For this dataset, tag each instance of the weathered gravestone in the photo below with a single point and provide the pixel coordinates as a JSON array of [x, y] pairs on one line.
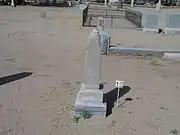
[[100, 25], [104, 36], [100, 21], [158, 6], [105, 42], [151, 23], [172, 23], [93, 62], [90, 98]]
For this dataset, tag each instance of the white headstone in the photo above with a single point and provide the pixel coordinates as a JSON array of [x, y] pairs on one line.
[[93, 62], [158, 6], [90, 98], [100, 21]]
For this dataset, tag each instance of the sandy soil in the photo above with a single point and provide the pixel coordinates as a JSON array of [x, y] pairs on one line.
[[53, 50]]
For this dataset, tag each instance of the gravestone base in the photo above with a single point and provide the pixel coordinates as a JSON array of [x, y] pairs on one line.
[[150, 30], [90, 101], [85, 87], [171, 30]]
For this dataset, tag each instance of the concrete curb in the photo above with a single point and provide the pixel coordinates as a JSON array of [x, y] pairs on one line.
[[171, 31], [172, 56], [150, 30], [144, 52]]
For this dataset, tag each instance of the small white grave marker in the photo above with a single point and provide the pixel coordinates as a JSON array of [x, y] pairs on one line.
[[119, 85]]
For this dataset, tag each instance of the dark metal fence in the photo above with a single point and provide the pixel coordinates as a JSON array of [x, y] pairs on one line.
[[106, 13], [84, 15], [134, 17], [90, 15]]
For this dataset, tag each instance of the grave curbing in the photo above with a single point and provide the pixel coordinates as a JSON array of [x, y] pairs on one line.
[[142, 51]]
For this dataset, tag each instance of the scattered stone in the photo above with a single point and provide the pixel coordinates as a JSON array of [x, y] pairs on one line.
[[138, 98], [174, 131], [112, 124], [47, 65], [78, 82], [10, 60], [118, 43], [43, 15], [163, 108], [7, 131], [44, 75], [104, 82], [51, 34], [156, 62], [128, 99]]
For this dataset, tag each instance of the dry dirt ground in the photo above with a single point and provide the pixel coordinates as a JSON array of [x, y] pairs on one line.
[[52, 49]]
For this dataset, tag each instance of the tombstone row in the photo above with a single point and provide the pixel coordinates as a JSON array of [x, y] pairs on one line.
[[172, 23]]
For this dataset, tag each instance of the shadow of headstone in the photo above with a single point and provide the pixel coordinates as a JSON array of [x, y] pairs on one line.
[[14, 77], [111, 97]]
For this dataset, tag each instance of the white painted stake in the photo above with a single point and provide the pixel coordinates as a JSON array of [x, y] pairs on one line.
[[119, 85]]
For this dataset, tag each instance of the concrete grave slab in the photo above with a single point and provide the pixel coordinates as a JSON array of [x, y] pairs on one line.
[[172, 23], [151, 23]]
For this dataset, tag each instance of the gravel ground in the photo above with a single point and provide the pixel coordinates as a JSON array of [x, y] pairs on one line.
[[52, 49]]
